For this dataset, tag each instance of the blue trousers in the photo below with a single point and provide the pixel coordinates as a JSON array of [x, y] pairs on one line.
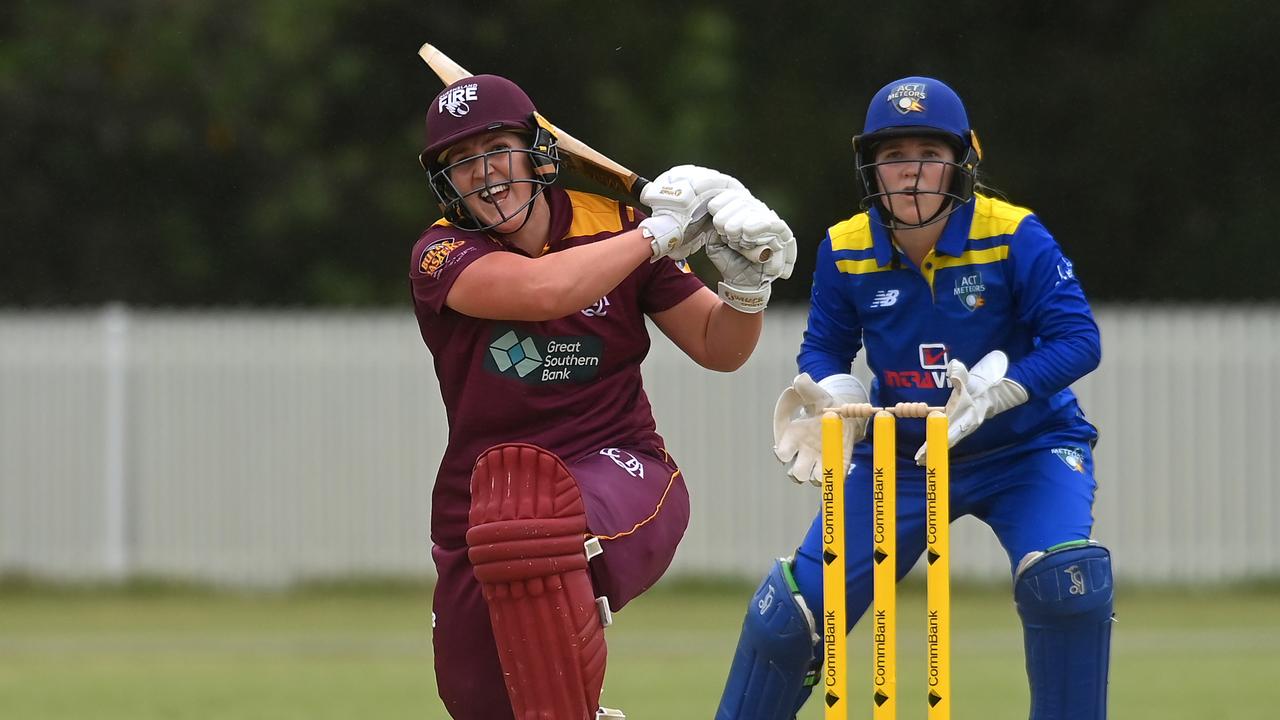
[[1032, 499]]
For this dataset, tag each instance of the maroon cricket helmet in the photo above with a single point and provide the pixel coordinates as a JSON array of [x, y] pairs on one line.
[[473, 105]]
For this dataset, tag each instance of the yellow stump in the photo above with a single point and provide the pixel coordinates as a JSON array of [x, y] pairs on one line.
[[884, 610], [938, 589], [834, 623]]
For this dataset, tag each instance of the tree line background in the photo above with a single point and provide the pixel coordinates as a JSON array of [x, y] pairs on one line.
[[168, 153]]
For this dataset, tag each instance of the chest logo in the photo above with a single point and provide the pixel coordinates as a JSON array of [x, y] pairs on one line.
[[933, 356], [969, 289], [599, 309], [884, 298], [932, 374], [518, 355], [537, 359]]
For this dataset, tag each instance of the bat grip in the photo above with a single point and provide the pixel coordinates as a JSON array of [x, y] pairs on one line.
[[638, 186]]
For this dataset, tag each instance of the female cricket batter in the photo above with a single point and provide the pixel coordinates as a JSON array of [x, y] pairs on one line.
[[962, 299], [532, 300]]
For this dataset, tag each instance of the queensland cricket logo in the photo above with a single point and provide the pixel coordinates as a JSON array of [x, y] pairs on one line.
[[907, 97], [969, 289], [455, 101]]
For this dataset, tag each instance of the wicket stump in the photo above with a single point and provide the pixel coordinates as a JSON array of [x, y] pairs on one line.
[[884, 555]]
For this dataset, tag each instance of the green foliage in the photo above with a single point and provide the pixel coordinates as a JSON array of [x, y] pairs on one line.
[[167, 153]]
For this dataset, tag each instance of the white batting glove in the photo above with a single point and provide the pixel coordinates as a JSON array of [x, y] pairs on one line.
[[707, 183], [746, 285], [977, 393], [747, 224], [797, 423], [744, 223], [681, 195]]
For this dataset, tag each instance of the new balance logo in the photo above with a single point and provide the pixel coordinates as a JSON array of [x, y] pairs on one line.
[[884, 298]]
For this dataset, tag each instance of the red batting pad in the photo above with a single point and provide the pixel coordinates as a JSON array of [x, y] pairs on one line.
[[525, 542]]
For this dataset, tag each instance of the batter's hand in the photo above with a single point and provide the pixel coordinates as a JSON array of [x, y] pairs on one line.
[[797, 423], [747, 225], [741, 223], [679, 224], [746, 285]]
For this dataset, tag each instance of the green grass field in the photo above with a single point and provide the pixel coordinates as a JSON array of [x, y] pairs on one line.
[[365, 652]]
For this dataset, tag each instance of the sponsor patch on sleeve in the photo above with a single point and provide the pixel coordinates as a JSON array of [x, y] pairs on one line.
[[434, 255]]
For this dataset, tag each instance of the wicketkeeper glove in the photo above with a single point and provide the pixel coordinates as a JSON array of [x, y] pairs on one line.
[[797, 423], [977, 393]]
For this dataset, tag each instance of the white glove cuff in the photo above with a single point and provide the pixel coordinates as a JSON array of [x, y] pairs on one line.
[[664, 234], [743, 300], [1006, 394], [844, 388]]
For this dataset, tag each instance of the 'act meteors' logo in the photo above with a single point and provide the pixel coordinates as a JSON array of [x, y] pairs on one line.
[[1073, 457], [907, 98], [969, 289]]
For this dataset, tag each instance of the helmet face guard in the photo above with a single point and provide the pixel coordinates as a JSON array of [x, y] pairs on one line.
[[473, 106], [958, 192], [916, 107], [543, 157]]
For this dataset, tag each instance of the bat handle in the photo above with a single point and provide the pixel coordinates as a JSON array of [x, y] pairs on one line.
[[759, 254]]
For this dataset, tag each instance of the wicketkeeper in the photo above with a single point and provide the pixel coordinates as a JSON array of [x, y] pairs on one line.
[[959, 298]]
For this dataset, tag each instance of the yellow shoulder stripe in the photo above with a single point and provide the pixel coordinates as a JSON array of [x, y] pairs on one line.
[[992, 217], [972, 257], [851, 234], [593, 214], [859, 267]]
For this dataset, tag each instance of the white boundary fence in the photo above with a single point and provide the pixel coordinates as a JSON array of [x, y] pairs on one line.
[[265, 447]]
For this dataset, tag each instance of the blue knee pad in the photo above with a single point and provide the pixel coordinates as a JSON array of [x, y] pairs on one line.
[[775, 654], [1065, 598]]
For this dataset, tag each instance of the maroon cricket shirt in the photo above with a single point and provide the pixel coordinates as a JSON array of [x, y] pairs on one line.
[[571, 385]]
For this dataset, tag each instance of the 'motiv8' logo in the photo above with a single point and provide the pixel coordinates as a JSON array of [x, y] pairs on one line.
[[534, 359]]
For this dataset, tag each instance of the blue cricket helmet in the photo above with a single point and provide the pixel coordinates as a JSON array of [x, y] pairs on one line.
[[913, 105], [916, 106]]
